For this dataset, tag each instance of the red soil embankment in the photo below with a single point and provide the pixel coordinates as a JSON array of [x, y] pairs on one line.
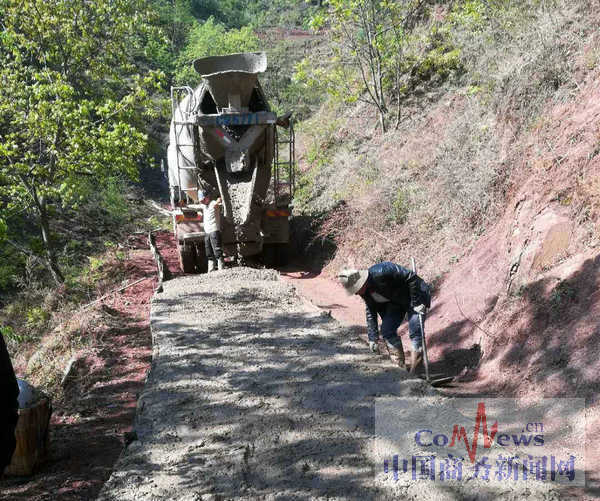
[[517, 316], [89, 425]]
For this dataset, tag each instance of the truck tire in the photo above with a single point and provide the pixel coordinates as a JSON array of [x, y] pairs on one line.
[[283, 255], [275, 255], [187, 258], [201, 261], [268, 255]]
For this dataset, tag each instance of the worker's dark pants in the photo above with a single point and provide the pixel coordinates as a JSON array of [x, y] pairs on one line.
[[391, 317], [212, 244], [9, 392], [8, 423]]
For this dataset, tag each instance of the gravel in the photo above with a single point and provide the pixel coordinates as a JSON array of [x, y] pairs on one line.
[[253, 395], [240, 191]]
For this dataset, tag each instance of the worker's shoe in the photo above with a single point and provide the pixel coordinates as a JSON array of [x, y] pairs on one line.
[[397, 355], [373, 346], [211, 265], [220, 263], [416, 358]]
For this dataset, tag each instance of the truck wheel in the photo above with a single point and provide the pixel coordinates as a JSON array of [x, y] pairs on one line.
[[275, 255], [283, 255], [201, 261], [187, 258], [269, 257]]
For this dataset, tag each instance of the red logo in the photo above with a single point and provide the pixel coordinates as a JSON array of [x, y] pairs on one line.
[[488, 438]]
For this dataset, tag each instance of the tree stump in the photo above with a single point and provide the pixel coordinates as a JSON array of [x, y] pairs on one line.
[[32, 434]]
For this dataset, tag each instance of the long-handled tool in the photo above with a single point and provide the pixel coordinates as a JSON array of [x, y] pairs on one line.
[[438, 381], [423, 342]]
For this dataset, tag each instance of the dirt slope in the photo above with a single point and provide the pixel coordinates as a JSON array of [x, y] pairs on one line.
[[517, 314], [532, 282]]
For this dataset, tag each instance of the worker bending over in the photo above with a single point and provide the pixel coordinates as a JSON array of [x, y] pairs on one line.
[[393, 292]]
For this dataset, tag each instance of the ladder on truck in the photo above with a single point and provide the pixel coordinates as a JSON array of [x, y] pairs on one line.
[[284, 162], [178, 95]]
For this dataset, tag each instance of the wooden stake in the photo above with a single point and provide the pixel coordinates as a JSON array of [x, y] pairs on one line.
[[163, 270]]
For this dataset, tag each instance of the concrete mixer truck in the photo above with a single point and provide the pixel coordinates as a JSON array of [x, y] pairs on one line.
[[225, 140]]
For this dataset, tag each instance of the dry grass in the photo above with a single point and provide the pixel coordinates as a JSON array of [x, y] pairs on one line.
[[76, 337], [434, 186], [48, 326]]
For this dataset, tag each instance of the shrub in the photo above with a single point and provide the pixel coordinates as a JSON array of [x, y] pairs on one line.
[[400, 207], [284, 91], [10, 336], [114, 202], [562, 296], [37, 318], [313, 182]]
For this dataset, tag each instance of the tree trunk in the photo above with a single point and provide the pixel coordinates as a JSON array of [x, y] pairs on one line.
[[382, 121], [163, 270], [51, 262], [398, 108]]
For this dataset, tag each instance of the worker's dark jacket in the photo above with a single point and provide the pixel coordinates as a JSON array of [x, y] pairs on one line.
[[9, 391], [401, 286]]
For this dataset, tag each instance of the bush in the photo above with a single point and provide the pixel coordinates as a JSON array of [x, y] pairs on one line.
[[284, 91], [231, 13], [10, 336], [284, 13], [561, 297], [114, 201], [11, 267], [316, 186], [400, 207], [37, 318]]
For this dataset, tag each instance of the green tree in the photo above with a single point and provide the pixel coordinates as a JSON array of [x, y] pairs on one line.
[[282, 13], [212, 39], [377, 52], [175, 19], [231, 13], [72, 104]]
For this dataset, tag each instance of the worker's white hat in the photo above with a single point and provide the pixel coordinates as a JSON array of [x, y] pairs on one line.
[[353, 280]]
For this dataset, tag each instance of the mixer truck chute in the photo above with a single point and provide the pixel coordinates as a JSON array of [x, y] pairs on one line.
[[224, 140]]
